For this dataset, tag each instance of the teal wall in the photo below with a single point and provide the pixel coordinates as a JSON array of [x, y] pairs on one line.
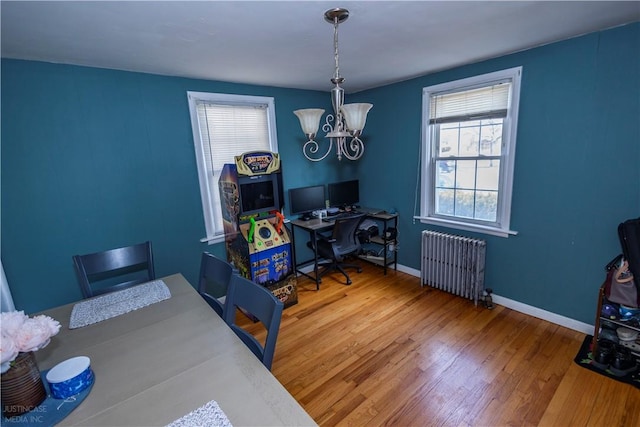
[[94, 159], [577, 170]]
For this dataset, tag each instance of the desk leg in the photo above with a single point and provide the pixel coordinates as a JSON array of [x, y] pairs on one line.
[[293, 249], [314, 237]]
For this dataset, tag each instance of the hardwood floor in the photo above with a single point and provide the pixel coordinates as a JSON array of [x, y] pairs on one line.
[[385, 351]]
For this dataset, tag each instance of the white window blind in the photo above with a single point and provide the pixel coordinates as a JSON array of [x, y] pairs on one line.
[[471, 104], [229, 130], [225, 126]]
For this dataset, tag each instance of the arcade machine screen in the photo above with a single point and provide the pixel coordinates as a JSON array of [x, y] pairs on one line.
[[259, 194]]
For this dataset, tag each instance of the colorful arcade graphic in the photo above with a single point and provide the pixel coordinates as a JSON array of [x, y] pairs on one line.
[[256, 240]]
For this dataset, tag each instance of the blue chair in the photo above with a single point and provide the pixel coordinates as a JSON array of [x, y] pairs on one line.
[[215, 275], [259, 302], [103, 272]]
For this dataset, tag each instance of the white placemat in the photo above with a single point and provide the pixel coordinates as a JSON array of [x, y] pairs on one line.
[[209, 415], [114, 304]]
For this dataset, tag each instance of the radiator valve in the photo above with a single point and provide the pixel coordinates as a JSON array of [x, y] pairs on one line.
[[488, 301]]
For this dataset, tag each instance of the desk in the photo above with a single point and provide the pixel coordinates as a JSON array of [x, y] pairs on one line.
[[157, 364], [314, 226]]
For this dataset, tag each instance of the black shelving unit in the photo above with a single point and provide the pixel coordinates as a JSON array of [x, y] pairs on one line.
[[384, 257]]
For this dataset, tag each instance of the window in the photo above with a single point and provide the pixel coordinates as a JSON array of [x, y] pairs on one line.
[[469, 140], [225, 126]]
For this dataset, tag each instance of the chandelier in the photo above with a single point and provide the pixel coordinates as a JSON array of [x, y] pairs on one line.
[[345, 125]]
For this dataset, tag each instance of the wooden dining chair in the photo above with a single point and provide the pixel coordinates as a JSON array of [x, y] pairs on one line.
[[260, 303], [213, 283], [103, 272]]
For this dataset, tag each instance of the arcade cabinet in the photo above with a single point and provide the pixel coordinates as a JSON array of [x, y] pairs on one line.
[[257, 242]]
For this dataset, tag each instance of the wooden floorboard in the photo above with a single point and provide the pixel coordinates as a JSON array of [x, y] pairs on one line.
[[385, 351]]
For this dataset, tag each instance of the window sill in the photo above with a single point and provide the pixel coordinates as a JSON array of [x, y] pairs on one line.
[[213, 240], [467, 226]]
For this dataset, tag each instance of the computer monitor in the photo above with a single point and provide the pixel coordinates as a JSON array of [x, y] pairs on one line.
[[345, 193], [304, 200]]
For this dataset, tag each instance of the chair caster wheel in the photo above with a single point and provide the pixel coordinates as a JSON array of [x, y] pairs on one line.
[[359, 270], [348, 282]]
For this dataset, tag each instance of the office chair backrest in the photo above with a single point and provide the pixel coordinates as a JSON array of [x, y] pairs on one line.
[[259, 302], [215, 275], [345, 234], [107, 266]]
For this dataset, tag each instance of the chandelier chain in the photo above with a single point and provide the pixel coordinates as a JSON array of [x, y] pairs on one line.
[[335, 47]]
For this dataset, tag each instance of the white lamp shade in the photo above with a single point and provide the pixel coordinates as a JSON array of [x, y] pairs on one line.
[[309, 119], [355, 115]]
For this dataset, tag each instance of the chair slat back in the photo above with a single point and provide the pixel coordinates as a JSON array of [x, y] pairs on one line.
[[113, 263], [213, 284], [260, 303]]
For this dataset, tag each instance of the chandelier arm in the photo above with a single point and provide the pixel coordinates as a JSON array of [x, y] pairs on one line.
[[327, 127], [354, 149], [311, 147]]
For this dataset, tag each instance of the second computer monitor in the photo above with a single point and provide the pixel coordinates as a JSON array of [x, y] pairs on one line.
[[345, 193]]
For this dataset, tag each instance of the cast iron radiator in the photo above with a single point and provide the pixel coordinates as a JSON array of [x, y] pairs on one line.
[[453, 264]]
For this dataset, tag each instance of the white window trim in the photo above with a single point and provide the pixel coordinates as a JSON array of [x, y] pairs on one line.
[[211, 212], [502, 229]]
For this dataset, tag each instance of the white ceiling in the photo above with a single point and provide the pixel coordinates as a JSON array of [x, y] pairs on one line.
[[288, 43]]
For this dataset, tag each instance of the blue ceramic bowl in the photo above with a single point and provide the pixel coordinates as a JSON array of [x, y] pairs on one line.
[[70, 377]]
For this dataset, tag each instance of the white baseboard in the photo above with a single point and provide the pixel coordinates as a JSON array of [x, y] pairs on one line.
[[409, 270], [527, 309], [567, 322], [530, 310]]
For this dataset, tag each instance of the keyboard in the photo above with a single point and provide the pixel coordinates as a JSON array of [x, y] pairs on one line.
[[371, 211], [340, 216]]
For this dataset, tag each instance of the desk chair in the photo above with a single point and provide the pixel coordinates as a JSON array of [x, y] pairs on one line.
[[130, 262], [215, 275], [259, 302], [342, 242]]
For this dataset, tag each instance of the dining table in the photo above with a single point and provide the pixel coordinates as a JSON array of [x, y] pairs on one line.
[[159, 363]]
